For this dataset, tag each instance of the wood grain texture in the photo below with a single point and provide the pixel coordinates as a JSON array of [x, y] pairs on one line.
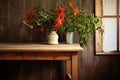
[[91, 67], [43, 52], [98, 37], [3, 20], [36, 47]]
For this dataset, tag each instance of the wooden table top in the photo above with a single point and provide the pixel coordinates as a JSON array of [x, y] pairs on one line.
[[39, 47]]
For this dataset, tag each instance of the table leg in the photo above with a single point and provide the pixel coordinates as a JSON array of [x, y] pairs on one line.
[[68, 67], [75, 67]]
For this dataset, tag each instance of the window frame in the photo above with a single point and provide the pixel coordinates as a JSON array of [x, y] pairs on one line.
[[99, 43]]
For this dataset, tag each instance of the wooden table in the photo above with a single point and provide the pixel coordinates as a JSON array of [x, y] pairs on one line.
[[34, 51]]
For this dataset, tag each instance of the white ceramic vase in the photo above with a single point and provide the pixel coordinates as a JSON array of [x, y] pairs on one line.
[[69, 37], [53, 37]]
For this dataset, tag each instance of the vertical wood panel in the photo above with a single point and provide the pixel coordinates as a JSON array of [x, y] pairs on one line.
[[91, 67], [22, 30], [87, 6], [43, 4], [12, 20], [3, 19]]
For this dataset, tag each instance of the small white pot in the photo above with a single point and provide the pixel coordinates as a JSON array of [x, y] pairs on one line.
[[53, 38]]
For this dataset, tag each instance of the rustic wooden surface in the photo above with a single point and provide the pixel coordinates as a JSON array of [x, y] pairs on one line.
[[43, 47], [61, 52], [91, 67]]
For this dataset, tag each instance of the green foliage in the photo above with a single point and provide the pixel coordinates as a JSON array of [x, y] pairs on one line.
[[68, 24], [42, 18], [85, 25]]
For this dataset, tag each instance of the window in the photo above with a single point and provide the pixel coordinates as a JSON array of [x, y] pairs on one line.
[[109, 10]]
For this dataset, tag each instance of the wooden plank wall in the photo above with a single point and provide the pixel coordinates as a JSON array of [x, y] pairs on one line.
[[91, 67]]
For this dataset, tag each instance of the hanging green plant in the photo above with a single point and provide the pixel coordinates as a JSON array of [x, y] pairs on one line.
[[86, 25]]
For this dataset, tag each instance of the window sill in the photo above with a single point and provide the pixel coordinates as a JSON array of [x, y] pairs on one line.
[[108, 53]]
